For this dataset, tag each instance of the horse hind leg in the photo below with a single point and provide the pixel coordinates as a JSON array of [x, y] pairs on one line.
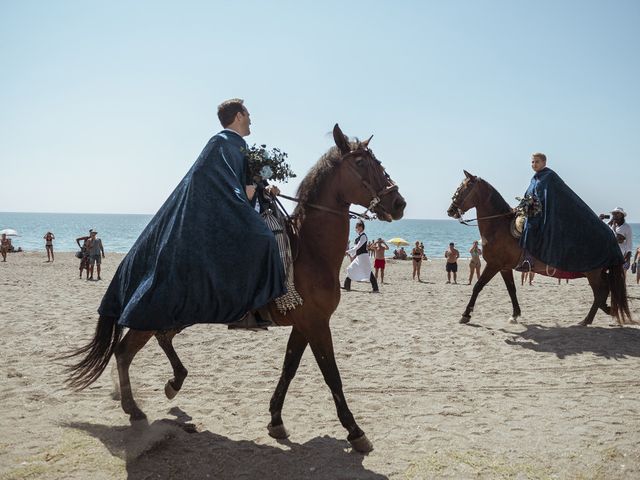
[[126, 350], [173, 386], [600, 293]]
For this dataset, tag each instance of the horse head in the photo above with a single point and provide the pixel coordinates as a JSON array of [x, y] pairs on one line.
[[365, 181], [463, 199]]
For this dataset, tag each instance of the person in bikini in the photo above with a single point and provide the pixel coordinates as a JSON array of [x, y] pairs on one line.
[[417, 254], [48, 245], [474, 263]]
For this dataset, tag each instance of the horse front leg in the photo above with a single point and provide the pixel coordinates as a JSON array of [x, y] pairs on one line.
[[487, 274], [295, 348], [322, 347], [130, 344], [507, 276], [173, 386]]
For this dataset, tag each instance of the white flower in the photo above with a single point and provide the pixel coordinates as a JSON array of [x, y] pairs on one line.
[[266, 172]]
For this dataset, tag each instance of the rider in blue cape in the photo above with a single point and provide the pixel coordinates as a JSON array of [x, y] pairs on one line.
[[561, 230], [179, 272]]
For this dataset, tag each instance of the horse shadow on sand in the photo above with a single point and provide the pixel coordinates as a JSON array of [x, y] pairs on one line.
[[614, 343], [175, 449]]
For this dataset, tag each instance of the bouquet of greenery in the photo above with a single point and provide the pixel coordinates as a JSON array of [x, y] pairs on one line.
[[267, 164], [529, 206]]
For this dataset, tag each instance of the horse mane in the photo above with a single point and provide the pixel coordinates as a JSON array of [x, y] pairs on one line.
[[313, 182], [496, 200]]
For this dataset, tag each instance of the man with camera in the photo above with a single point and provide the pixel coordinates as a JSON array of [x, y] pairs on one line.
[[623, 234]]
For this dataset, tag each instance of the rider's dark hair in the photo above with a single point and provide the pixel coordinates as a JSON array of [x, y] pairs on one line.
[[228, 110]]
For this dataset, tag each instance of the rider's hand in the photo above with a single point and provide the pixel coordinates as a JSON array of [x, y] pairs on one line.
[[250, 190], [272, 190]]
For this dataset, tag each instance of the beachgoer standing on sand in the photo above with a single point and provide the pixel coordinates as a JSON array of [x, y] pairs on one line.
[[4, 246], [636, 259], [474, 263], [379, 247], [95, 249], [416, 254], [48, 245], [452, 255], [360, 267], [84, 253]]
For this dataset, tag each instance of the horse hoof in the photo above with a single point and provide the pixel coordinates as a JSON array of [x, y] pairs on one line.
[[361, 444], [465, 319], [513, 320], [169, 391], [278, 431], [137, 416]]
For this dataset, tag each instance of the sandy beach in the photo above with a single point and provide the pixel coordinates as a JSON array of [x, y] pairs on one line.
[[540, 399]]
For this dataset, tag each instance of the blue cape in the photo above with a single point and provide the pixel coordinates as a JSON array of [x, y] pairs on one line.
[[567, 234], [206, 256]]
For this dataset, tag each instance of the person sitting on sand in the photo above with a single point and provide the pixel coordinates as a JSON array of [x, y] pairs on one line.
[[402, 254]]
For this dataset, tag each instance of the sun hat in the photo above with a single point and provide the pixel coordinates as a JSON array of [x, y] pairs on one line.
[[619, 210]]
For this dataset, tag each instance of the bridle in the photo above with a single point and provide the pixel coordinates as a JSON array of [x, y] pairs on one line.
[[376, 196], [456, 202]]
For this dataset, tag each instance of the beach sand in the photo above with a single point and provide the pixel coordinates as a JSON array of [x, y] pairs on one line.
[[540, 399]]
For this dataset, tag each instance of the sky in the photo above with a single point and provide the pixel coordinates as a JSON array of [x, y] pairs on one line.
[[104, 106]]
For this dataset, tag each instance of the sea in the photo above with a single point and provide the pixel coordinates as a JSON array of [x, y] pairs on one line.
[[119, 231]]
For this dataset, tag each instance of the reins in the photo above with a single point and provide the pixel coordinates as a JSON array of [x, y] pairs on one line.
[[375, 196], [363, 216], [456, 201], [466, 222]]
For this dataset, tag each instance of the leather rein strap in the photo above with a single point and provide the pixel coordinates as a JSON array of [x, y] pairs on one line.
[[375, 196]]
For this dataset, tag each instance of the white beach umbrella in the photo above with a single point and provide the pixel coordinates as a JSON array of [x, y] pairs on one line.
[[9, 232]]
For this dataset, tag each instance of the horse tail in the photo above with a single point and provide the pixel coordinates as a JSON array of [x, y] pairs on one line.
[[96, 354], [618, 289]]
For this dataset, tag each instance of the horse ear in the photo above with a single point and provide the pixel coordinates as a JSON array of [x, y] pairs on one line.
[[365, 144], [468, 175], [341, 141]]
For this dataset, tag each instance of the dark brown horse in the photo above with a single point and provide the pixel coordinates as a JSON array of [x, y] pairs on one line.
[[502, 252], [347, 174]]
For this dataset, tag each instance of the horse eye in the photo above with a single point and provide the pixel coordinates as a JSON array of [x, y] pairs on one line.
[[359, 161]]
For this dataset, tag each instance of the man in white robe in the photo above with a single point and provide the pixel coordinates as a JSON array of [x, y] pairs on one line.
[[360, 267]]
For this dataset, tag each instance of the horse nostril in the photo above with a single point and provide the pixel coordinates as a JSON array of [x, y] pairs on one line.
[[399, 204]]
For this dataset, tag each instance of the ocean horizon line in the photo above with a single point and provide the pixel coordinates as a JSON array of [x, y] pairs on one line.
[[146, 214]]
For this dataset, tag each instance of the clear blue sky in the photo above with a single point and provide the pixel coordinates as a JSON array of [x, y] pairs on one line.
[[104, 106]]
